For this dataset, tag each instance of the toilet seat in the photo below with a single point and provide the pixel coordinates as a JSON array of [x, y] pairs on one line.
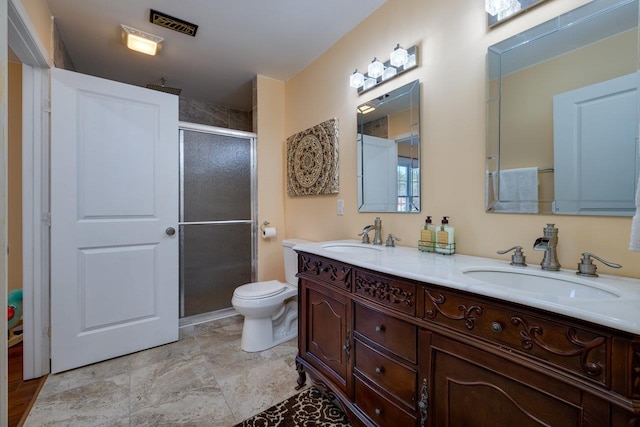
[[259, 290]]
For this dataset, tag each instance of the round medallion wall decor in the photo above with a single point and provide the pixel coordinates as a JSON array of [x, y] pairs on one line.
[[312, 160]]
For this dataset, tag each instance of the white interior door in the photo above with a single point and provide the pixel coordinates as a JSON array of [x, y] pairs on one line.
[[114, 194], [378, 164], [595, 148]]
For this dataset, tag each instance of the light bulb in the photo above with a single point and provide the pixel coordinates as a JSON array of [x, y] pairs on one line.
[[356, 80], [369, 83], [375, 69], [398, 57], [388, 73], [411, 61]]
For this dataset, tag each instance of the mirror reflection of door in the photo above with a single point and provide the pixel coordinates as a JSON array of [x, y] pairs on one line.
[[388, 151], [599, 122], [379, 159], [592, 44]]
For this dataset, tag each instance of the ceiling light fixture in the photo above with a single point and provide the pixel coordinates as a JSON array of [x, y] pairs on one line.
[[400, 60], [140, 41], [366, 109]]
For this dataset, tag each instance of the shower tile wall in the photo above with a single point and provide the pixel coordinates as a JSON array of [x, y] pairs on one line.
[[204, 113], [61, 58], [379, 128]]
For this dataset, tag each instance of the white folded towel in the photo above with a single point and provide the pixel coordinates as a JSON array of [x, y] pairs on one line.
[[518, 190], [635, 224]]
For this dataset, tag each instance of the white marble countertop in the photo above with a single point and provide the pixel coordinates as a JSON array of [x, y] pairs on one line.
[[619, 310]]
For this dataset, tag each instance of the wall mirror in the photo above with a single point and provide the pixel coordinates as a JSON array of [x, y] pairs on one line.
[[388, 151], [562, 118]]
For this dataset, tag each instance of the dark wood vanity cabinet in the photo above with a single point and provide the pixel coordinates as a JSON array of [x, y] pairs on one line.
[[397, 352], [326, 341], [470, 387]]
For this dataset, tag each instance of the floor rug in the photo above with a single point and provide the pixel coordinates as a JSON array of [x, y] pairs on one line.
[[309, 408]]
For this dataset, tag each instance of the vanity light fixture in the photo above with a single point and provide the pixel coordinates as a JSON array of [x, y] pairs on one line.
[[400, 60], [141, 41]]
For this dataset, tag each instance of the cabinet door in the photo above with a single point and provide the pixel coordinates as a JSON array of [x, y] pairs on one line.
[[326, 339], [472, 388]]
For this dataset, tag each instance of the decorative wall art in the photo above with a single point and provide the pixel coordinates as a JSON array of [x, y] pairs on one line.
[[501, 10], [312, 160]]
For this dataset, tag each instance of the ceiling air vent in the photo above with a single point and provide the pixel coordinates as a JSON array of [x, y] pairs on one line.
[[172, 23]]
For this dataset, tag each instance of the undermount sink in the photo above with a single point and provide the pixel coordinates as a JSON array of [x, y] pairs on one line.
[[352, 248], [541, 283]]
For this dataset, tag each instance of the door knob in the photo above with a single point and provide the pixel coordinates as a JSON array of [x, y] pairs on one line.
[[170, 231]]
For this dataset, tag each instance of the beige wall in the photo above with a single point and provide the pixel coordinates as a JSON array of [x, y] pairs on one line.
[[271, 184], [14, 170], [453, 40]]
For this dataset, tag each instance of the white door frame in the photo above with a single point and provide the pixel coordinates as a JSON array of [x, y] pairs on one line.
[[4, 76], [24, 41]]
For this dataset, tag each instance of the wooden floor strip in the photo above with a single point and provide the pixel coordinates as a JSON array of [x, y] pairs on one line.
[[22, 394]]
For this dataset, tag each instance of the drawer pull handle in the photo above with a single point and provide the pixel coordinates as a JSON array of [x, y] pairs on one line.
[[379, 370], [378, 411], [423, 404], [496, 327], [380, 329]]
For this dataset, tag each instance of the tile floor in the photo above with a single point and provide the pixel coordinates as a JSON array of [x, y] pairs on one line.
[[204, 379]]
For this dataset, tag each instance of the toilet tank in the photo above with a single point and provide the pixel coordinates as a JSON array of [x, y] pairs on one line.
[[291, 259]]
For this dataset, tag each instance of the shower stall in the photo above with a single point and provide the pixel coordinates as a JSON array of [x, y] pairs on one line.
[[217, 216]]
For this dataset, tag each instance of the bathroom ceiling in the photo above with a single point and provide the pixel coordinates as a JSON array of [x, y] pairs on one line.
[[235, 41]]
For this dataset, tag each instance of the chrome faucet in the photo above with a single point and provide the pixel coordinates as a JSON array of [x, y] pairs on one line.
[[377, 228], [365, 233], [548, 243], [391, 239], [586, 267]]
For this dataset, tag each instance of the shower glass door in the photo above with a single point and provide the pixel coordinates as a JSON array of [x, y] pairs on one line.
[[217, 216]]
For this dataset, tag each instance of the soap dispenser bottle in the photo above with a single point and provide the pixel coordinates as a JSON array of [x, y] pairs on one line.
[[445, 243], [427, 237]]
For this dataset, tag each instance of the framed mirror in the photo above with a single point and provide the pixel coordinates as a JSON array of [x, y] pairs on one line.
[[562, 115], [388, 151]]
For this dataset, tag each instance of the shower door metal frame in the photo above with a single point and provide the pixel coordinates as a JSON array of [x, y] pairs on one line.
[[195, 127]]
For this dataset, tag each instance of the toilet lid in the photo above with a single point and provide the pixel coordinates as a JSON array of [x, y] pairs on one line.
[[259, 289]]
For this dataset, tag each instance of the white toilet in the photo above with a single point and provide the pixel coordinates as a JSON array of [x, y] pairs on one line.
[[270, 308]]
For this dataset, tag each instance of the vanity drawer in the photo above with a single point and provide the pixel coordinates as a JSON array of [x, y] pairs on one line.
[[325, 270], [578, 349], [395, 335], [390, 292], [380, 410], [397, 379]]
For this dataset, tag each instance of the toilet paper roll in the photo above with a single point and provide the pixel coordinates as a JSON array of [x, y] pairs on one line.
[[268, 232]]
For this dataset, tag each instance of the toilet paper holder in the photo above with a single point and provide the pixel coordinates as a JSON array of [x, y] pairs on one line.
[[267, 232]]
